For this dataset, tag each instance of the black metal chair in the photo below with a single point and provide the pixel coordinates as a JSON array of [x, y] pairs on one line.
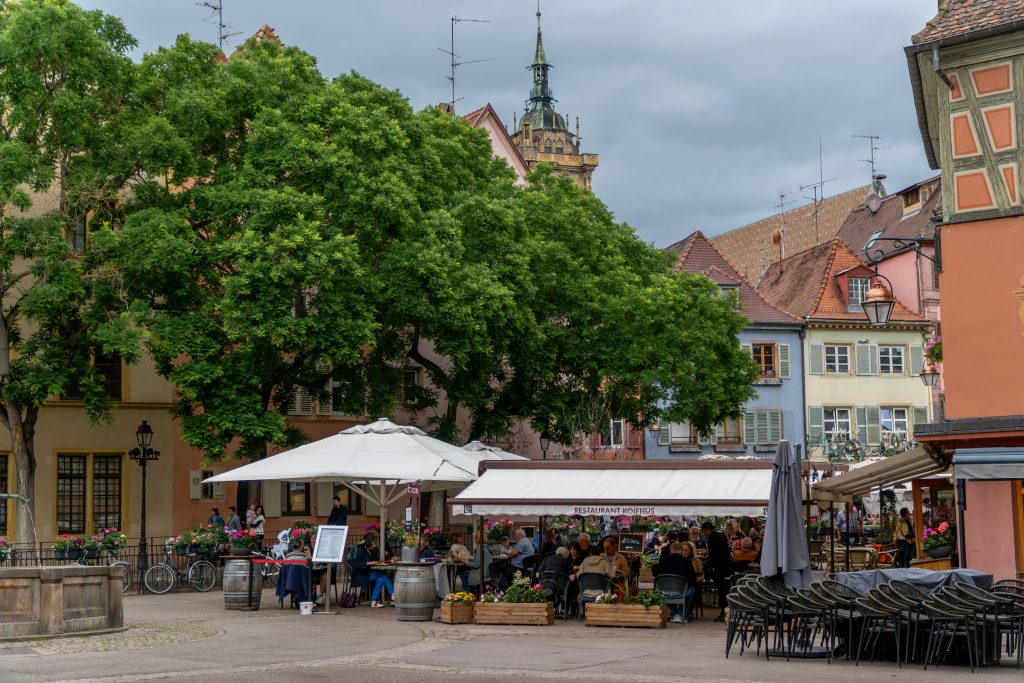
[[674, 587], [748, 620], [879, 619], [590, 582], [948, 622], [556, 584]]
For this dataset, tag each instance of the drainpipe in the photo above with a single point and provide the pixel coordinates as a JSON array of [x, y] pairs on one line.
[[961, 508], [803, 389], [938, 69]]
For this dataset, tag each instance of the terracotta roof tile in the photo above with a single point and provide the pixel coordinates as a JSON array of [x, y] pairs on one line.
[[956, 17], [861, 224], [750, 248], [805, 284], [698, 255]]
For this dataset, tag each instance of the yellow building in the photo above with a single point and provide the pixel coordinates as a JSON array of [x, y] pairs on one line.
[[543, 134], [861, 382]]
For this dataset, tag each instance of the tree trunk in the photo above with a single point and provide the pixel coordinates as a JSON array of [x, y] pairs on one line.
[[25, 468]]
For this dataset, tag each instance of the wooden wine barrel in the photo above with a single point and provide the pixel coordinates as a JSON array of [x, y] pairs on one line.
[[236, 584], [415, 591]]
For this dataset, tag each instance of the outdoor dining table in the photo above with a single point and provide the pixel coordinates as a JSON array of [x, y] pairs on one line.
[[294, 579], [926, 580]]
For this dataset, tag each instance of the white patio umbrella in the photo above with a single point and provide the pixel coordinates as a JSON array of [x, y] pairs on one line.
[[490, 452], [375, 461]]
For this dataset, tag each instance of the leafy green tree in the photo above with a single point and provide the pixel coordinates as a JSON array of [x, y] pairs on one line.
[[64, 80]]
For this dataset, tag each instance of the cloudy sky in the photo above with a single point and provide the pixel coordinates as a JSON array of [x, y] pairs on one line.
[[702, 112]]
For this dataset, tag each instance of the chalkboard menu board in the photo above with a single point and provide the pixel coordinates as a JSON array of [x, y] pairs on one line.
[[330, 544], [631, 543]]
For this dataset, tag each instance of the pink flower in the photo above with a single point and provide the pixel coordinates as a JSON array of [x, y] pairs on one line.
[[943, 527]]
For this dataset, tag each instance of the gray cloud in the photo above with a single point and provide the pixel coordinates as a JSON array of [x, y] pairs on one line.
[[701, 111]]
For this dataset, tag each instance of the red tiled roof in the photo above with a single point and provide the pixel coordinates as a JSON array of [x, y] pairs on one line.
[[956, 17], [805, 285], [861, 224], [698, 255], [267, 32], [750, 248]]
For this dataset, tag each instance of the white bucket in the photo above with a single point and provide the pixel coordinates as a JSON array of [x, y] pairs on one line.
[[305, 608]]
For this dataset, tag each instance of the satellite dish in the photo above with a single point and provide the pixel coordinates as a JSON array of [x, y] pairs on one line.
[[873, 202], [777, 237]]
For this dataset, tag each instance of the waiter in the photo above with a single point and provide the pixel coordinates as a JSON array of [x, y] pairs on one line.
[[720, 560]]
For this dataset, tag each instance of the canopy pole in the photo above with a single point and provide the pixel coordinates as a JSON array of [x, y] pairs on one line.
[[479, 528], [832, 536], [383, 520]]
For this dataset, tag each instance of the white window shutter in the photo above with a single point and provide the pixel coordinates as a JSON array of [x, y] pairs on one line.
[[874, 359], [665, 435], [708, 439], [916, 360], [874, 425], [326, 400], [816, 359], [864, 359], [324, 496], [774, 426], [750, 428], [762, 427], [719, 432], [862, 424], [783, 361], [747, 347], [272, 498], [920, 417], [303, 403], [815, 424], [195, 484]]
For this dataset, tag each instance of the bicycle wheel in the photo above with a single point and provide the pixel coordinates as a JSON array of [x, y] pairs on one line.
[[127, 575], [202, 575], [159, 579], [271, 572]]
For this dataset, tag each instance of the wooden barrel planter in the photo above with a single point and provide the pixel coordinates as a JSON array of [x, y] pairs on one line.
[[456, 613], [415, 591], [236, 585], [633, 616], [521, 613]]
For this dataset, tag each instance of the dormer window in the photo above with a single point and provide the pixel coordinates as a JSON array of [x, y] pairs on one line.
[[859, 287], [911, 198]]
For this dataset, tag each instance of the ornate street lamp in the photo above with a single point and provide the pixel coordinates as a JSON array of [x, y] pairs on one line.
[[545, 443], [878, 303], [143, 454], [655, 429], [930, 375]]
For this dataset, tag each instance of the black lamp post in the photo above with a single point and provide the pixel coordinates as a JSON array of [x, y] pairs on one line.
[[879, 302], [545, 443], [143, 454]]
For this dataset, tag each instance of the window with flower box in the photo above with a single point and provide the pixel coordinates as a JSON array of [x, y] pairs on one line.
[[90, 492]]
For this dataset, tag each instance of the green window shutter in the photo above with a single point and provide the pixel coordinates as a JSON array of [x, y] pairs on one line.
[[916, 360], [862, 425], [920, 417], [783, 361], [863, 356], [750, 428], [774, 426], [762, 428], [815, 423], [816, 359], [874, 425], [874, 359], [747, 347], [665, 435]]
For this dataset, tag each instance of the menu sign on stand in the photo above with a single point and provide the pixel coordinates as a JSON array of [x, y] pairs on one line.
[[330, 544]]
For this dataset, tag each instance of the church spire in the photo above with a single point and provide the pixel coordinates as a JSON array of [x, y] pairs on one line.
[[540, 107], [538, 55]]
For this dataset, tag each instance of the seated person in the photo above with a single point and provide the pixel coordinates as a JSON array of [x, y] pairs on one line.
[[556, 562], [615, 559], [298, 551], [680, 562], [471, 577], [586, 547], [758, 545], [424, 551], [522, 550], [458, 553], [742, 557], [595, 564], [366, 577]]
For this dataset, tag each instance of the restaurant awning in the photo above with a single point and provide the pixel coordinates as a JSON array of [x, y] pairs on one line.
[[914, 464], [989, 463], [617, 488]]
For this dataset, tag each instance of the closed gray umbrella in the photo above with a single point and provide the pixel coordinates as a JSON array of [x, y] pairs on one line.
[[784, 550]]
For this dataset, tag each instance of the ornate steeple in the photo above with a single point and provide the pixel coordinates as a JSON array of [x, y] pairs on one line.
[[540, 107]]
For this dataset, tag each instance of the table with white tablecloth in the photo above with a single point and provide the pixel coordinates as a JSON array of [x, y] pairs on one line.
[[445, 576]]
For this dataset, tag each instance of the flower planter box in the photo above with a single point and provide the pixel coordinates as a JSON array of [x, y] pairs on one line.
[[92, 553], [633, 616], [939, 552], [521, 613], [456, 613]]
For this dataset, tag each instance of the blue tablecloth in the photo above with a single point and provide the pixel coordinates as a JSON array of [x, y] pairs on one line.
[[294, 579], [928, 581]]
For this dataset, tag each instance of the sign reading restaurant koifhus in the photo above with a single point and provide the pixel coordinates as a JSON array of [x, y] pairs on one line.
[[614, 510]]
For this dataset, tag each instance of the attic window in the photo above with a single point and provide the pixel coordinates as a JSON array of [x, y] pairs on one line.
[[859, 287], [912, 200]]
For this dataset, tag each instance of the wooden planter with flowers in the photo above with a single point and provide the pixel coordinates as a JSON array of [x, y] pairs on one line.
[[457, 608], [520, 613], [632, 616]]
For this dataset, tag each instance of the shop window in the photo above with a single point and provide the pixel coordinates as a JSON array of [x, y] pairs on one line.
[[77, 473], [294, 498]]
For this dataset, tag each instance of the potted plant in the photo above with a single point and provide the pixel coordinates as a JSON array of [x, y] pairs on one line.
[[113, 540], [5, 550], [242, 542], [496, 529], [457, 608], [436, 537], [521, 603], [629, 608], [67, 547], [180, 544], [933, 350], [93, 546], [938, 542]]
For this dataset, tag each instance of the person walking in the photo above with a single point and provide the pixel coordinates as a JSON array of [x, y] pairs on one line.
[[904, 537], [849, 523], [215, 517], [233, 523], [719, 560]]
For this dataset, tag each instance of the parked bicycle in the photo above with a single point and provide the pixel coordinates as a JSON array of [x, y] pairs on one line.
[[199, 574], [83, 560], [270, 571]]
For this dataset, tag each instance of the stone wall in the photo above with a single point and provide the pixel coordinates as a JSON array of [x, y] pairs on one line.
[[55, 600]]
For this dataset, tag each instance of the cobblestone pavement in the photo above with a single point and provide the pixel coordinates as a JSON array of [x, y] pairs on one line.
[[190, 635]]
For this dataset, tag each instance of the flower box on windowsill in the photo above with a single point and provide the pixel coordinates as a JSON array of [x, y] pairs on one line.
[[768, 381], [635, 616], [720, 448], [765, 449], [684, 449], [521, 613]]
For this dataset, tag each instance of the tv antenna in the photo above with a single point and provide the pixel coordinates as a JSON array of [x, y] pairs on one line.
[[876, 177], [216, 18], [456, 60], [779, 236], [819, 192]]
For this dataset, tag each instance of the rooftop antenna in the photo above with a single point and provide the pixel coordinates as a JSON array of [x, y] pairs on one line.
[[876, 177], [216, 18], [456, 60], [818, 187], [779, 236]]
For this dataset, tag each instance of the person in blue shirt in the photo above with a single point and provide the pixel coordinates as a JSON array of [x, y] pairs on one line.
[[366, 577], [522, 550], [215, 517]]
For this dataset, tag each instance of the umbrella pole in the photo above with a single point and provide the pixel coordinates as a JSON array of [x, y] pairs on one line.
[[832, 536], [479, 529], [383, 520]]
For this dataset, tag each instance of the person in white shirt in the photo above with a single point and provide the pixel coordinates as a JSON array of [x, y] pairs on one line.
[[849, 524]]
